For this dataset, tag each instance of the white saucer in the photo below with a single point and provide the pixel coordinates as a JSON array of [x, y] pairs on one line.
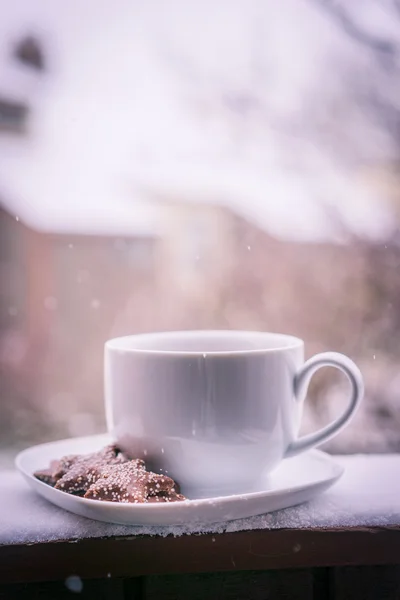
[[296, 480]]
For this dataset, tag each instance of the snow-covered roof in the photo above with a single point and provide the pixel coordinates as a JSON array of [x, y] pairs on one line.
[[68, 202], [89, 218], [289, 205], [16, 81]]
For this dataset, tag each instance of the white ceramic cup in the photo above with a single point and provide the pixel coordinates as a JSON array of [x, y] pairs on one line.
[[215, 409]]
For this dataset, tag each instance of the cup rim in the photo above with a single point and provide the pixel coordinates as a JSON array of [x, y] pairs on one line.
[[123, 345]]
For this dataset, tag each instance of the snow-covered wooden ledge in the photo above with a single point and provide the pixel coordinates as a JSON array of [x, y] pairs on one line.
[[357, 522]]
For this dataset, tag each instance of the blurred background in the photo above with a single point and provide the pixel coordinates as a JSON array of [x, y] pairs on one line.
[[175, 165]]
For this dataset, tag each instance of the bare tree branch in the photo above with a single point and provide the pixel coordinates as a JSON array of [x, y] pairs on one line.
[[385, 49], [396, 6]]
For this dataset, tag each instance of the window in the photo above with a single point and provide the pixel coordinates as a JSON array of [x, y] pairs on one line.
[[305, 164]]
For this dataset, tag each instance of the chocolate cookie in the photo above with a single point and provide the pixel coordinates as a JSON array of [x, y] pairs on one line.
[[165, 497], [64, 464], [80, 471], [109, 475], [48, 475], [56, 470], [131, 482]]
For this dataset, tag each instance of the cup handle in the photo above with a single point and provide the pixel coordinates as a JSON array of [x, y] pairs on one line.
[[301, 381]]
